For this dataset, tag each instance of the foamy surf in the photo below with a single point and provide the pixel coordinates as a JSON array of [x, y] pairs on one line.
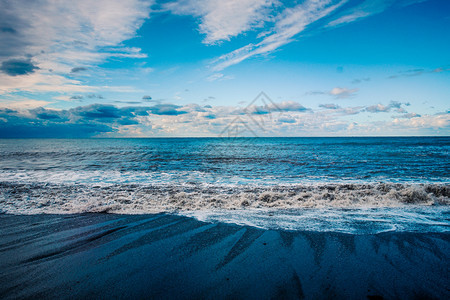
[[32, 198], [353, 221]]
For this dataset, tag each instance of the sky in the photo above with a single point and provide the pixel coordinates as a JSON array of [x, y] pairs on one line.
[[148, 68]]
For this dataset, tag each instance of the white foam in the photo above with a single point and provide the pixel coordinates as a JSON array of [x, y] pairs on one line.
[[26, 198], [354, 221]]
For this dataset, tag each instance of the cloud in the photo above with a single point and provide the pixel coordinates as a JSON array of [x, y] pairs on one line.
[[21, 104], [284, 106], [435, 122], [94, 96], [340, 93], [387, 108], [99, 112], [78, 69], [101, 120], [290, 22], [61, 35], [337, 92], [378, 108], [166, 109], [218, 77], [16, 67], [222, 20], [418, 72], [282, 23], [287, 106], [330, 106], [408, 116], [146, 97], [287, 119]]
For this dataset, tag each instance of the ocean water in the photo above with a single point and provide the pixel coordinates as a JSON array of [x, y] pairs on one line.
[[342, 184]]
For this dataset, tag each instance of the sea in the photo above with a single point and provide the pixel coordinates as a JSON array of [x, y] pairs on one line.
[[357, 185]]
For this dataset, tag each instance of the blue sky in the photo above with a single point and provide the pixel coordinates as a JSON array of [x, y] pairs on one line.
[[190, 68]]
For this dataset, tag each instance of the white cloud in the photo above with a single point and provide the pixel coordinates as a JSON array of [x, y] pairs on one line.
[[222, 20], [61, 35], [428, 121], [339, 92], [23, 104], [288, 24], [218, 77], [283, 25]]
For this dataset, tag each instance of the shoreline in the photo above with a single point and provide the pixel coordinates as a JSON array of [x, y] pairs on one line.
[[170, 256]]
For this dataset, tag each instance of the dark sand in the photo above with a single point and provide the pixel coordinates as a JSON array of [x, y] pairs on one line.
[[166, 256]]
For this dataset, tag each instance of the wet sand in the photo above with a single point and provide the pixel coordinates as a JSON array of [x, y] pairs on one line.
[[166, 256]]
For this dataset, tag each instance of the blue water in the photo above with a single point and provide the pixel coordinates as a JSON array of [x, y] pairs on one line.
[[416, 159], [250, 176]]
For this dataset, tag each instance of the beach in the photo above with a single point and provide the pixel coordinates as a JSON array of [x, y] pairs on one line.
[[97, 255]]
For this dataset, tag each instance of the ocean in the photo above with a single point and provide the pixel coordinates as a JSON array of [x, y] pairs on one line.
[[352, 185]]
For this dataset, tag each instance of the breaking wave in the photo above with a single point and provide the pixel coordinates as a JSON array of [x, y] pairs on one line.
[[32, 198]]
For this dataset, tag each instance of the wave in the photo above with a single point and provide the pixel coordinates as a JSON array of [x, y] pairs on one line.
[[32, 198]]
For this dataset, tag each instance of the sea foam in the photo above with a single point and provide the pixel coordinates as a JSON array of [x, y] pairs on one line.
[[32, 198]]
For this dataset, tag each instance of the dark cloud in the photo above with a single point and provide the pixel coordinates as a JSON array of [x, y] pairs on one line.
[[146, 97], [378, 108], [166, 109], [76, 97], [78, 69], [210, 116], [82, 121], [45, 123], [285, 106], [287, 120], [387, 108], [395, 104], [99, 111], [46, 116], [288, 106], [12, 41], [407, 116], [16, 67], [330, 106], [8, 30], [94, 96], [7, 111]]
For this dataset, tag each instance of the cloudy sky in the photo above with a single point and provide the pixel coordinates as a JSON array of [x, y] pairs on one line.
[[115, 68]]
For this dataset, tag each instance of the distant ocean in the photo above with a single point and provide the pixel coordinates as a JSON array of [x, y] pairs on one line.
[[356, 185]]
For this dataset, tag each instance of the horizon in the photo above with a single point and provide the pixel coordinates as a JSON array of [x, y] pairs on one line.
[[223, 137], [198, 68]]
